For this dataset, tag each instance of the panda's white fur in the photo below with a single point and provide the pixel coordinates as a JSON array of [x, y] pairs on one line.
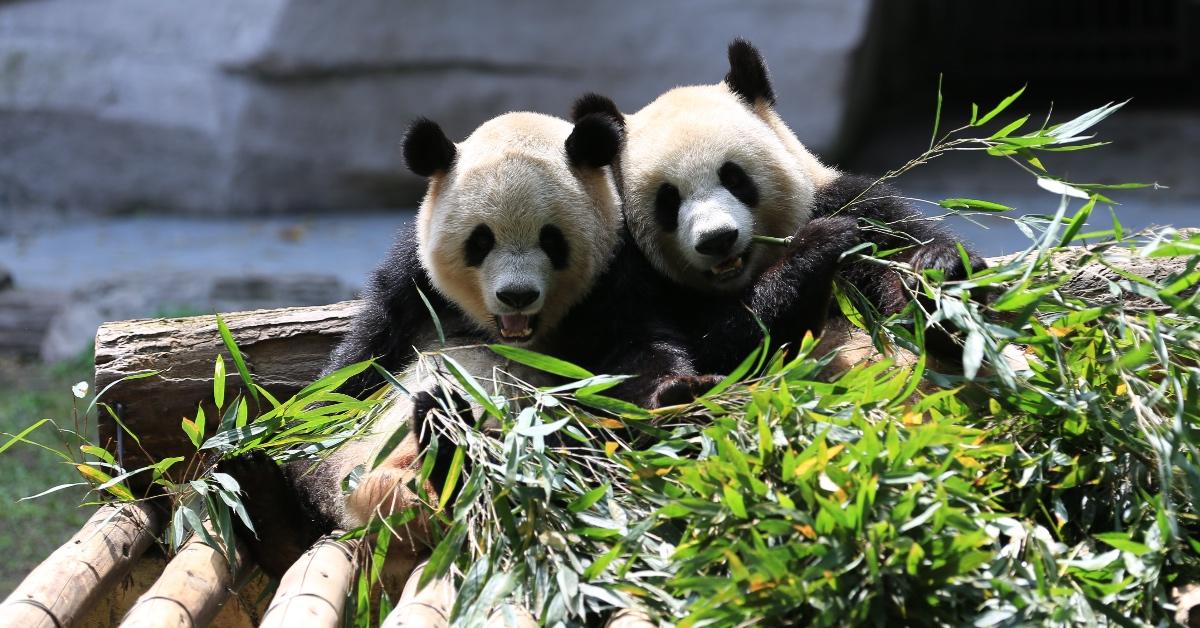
[[683, 137], [512, 175]]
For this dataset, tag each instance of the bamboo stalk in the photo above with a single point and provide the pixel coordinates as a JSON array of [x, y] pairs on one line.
[[313, 592], [630, 618], [61, 589], [192, 588], [510, 616], [425, 608]]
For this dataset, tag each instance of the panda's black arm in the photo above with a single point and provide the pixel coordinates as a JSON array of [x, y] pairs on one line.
[[391, 315], [790, 299], [928, 244]]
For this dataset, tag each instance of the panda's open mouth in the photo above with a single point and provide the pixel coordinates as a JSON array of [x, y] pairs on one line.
[[729, 268], [516, 327]]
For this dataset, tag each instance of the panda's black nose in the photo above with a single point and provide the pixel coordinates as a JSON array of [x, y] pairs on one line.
[[717, 243], [518, 297]]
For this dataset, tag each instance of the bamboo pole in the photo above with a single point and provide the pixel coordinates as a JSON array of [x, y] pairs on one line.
[[313, 591], [61, 589], [192, 588], [510, 616], [630, 618], [425, 608]]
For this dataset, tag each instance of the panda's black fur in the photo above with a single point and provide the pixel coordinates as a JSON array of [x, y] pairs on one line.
[[792, 297], [611, 331]]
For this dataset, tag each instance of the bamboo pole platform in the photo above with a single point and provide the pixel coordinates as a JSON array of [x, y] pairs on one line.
[[61, 590], [192, 588], [423, 608], [313, 592]]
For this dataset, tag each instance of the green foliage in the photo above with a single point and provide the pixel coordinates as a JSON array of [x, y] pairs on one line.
[[1052, 480]]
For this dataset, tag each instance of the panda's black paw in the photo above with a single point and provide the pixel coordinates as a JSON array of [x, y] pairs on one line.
[[831, 235], [283, 529], [441, 400], [944, 256], [438, 399], [680, 389]]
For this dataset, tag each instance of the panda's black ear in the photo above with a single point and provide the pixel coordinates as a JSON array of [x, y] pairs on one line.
[[596, 103], [427, 149], [748, 73], [595, 141]]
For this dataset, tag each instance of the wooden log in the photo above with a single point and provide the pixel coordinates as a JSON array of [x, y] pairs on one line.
[[60, 590], [286, 349], [423, 608], [191, 590], [25, 317], [313, 592]]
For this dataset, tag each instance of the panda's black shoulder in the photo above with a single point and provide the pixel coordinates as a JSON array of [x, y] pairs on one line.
[[393, 281], [861, 196]]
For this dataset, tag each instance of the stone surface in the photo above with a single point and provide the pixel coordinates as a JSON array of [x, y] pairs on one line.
[[280, 105]]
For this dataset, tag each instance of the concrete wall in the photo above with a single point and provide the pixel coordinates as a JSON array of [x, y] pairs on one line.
[[285, 105]]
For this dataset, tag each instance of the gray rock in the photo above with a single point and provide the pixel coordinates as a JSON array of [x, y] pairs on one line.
[[280, 105], [73, 328]]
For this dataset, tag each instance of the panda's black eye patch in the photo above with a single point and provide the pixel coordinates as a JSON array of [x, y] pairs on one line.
[[666, 207], [554, 244], [739, 184], [479, 244]]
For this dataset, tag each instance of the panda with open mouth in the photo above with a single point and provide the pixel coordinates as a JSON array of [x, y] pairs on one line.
[[519, 239], [706, 168]]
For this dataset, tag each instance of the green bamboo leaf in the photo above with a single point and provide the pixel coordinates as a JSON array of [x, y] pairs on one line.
[[937, 113], [618, 407], [219, 382], [971, 203], [585, 501], [998, 110], [452, 474], [472, 387], [433, 315], [443, 554], [1077, 222], [541, 362], [238, 360], [22, 435]]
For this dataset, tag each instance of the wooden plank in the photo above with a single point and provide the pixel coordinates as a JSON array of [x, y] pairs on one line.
[[313, 592], [84, 569]]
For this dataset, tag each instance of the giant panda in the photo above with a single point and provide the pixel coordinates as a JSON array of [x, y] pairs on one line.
[[518, 240], [705, 168]]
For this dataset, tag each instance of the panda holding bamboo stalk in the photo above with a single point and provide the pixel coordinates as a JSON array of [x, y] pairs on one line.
[[657, 244]]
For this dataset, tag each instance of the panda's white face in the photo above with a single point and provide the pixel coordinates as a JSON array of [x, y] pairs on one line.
[[703, 174], [512, 233]]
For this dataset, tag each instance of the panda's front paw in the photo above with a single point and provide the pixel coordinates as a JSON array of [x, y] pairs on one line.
[[833, 235], [680, 389], [944, 256], [283, 529]]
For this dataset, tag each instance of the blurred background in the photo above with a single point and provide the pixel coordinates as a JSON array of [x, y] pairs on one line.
[[160, 157]]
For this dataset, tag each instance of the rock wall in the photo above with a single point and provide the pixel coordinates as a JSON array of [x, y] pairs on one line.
[[285, 105]]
